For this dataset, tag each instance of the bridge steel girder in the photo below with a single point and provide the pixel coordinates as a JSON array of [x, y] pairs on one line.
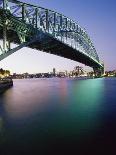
[[28, 22]]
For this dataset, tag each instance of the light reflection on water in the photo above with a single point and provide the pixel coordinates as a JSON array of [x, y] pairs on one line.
[[52, 112]]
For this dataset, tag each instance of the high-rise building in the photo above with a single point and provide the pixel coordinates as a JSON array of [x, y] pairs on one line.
[[54, 72]]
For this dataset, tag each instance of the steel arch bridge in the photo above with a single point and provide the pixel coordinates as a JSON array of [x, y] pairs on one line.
[[46, 30]]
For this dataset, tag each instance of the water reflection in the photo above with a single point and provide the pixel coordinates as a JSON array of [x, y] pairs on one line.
[[26, 97], [2, 132], [1, 125], [64, 90], [42, 114], [88, 93], [82, 98], [87, 97], [82, 110]]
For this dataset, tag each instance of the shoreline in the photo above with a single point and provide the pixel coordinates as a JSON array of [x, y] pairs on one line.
[[5, 84]]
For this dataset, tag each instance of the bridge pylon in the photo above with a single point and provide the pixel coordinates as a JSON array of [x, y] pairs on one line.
[[98, 71]]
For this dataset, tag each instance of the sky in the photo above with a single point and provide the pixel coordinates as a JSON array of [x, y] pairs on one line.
[[98, 17]]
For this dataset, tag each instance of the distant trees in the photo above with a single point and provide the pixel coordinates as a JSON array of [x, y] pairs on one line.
[[4, 73], [7, 72]]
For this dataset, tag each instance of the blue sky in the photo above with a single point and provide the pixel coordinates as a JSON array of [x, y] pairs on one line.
[[98, 17]]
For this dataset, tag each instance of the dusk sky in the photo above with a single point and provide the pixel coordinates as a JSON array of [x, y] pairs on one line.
[[98, 17]]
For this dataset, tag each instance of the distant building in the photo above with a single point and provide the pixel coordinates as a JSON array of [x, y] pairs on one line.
[[54, 72], [61, 74], [66, 73]]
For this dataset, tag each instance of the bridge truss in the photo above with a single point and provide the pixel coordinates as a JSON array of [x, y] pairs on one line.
[[43, 29]]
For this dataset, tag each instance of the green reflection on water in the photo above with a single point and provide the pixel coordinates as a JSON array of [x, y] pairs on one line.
[[87, 98], [82, 112], [88, 93]]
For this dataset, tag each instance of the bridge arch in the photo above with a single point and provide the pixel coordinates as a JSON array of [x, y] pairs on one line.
[[46, 30]]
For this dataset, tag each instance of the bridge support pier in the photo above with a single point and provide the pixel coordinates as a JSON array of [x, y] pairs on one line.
[[98, 72]]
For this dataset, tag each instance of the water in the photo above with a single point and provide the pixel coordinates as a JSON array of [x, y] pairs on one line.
[[58, 116]]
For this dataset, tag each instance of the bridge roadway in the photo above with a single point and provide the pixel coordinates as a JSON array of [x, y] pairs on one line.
[[72, 43]]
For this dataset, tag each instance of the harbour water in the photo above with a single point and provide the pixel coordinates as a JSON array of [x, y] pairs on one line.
[[58, 116]]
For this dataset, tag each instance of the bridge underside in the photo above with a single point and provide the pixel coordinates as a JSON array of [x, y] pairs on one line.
[[52, 46], [56, 47]]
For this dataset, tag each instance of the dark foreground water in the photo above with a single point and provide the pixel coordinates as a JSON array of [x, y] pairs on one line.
[[59, 116]]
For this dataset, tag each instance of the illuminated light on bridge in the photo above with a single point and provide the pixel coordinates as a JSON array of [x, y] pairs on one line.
[[46, 30]]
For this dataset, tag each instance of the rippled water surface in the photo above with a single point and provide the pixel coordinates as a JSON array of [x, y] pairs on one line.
[[58, 116]]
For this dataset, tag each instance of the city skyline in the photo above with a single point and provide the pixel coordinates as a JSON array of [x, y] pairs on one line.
[[97, 17]]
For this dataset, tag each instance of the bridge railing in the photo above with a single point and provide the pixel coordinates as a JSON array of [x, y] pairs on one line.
[[56, 24]]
